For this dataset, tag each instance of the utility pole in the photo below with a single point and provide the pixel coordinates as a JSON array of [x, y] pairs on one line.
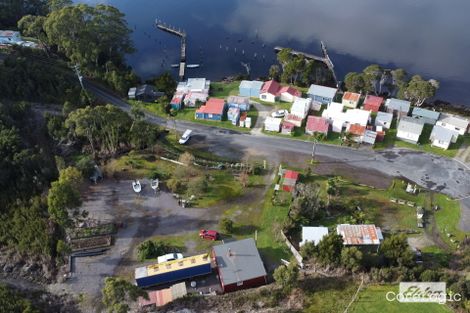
[[79, 75], [313, 150]]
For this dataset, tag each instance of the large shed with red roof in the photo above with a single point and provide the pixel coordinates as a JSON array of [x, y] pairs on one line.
[[289, 180], [317, 124], [214, 109]]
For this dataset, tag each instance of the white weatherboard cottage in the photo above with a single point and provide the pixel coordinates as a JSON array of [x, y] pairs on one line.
[[409, 129], [442, 137], [453, 122]]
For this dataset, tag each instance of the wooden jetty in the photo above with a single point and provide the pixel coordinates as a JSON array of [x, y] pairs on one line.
[[325, 58], [179, 33]]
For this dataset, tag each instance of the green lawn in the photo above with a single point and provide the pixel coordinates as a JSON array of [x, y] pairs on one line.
[[328, 295], [223, 89], [373, 299], [447, 219]]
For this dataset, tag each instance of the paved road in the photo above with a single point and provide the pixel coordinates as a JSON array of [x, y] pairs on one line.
[[436, 173]]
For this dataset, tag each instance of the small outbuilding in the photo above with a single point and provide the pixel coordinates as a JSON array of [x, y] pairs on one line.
[[360, 235], [289, 180], [294, 120], [243, 103], [250, 88], [384, 119], [373, 103], [313, 234], [239, 265], [272, 124], [321, 94], [351, 99], [287, 128], [233, 115]]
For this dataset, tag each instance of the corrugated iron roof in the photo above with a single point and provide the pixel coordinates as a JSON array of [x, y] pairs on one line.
[[351, 96], [212, 106], [360, 234], [317, 124], [271, 87]]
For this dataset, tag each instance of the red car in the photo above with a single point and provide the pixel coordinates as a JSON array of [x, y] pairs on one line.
[[209, 234]]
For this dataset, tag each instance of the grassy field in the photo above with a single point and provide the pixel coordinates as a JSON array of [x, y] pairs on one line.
[[223, 89], [373, 299], [447, 220], [328, 295], [222, 185]]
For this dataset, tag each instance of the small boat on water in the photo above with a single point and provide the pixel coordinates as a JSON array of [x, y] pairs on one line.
[[154, 184], [193, 65], [175, 65], [136, 186]]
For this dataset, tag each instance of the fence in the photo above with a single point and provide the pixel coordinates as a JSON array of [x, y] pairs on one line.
[[294, 251]]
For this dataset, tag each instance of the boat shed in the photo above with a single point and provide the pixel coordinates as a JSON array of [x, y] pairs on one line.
[[250, 88], [321, 94], [175, 270], [239, 265]]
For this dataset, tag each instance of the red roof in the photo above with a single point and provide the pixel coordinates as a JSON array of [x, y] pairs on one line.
[[373, 103], [291, 175], [317, 124], [357, 129], [351, 96], [271, 87], [290, 90], [212, 106], [293, 117], [287, 125]]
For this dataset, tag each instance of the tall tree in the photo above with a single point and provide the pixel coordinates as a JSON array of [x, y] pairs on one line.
[[354, 82], [89, 36], [55, 5], [329, 249], [372, 75], [274, 72], [396, 250], [418, 90], [284, 57]]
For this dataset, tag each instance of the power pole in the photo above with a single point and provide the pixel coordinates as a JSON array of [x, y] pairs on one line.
[[313, 150], [79, 75]]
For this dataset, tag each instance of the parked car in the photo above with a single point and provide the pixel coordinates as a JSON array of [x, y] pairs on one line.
[[169, 257], [209, 234], [279, 113], [184, 139]]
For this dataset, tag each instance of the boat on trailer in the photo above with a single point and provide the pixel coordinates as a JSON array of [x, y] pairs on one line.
[[154, 184], [137, 186]]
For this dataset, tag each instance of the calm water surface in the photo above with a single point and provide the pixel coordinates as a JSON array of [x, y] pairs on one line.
[[429, 37]]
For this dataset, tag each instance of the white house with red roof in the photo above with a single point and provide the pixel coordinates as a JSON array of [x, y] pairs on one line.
[[270, 91], [289, 94]]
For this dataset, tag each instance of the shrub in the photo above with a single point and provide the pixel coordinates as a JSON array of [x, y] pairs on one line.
[[286, 276], [176, 185], [150, 249], [226, 225]]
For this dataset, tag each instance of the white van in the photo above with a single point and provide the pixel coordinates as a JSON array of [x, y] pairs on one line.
[[184, 139], [169, 257]]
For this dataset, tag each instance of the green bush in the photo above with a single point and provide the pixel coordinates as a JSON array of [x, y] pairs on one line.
[[175, 185], [150, 249], [226, 225]]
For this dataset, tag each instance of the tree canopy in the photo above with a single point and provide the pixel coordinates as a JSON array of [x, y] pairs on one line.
[[117, 292]]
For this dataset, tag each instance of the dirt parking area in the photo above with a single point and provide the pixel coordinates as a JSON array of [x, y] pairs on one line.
[[143, 216]]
